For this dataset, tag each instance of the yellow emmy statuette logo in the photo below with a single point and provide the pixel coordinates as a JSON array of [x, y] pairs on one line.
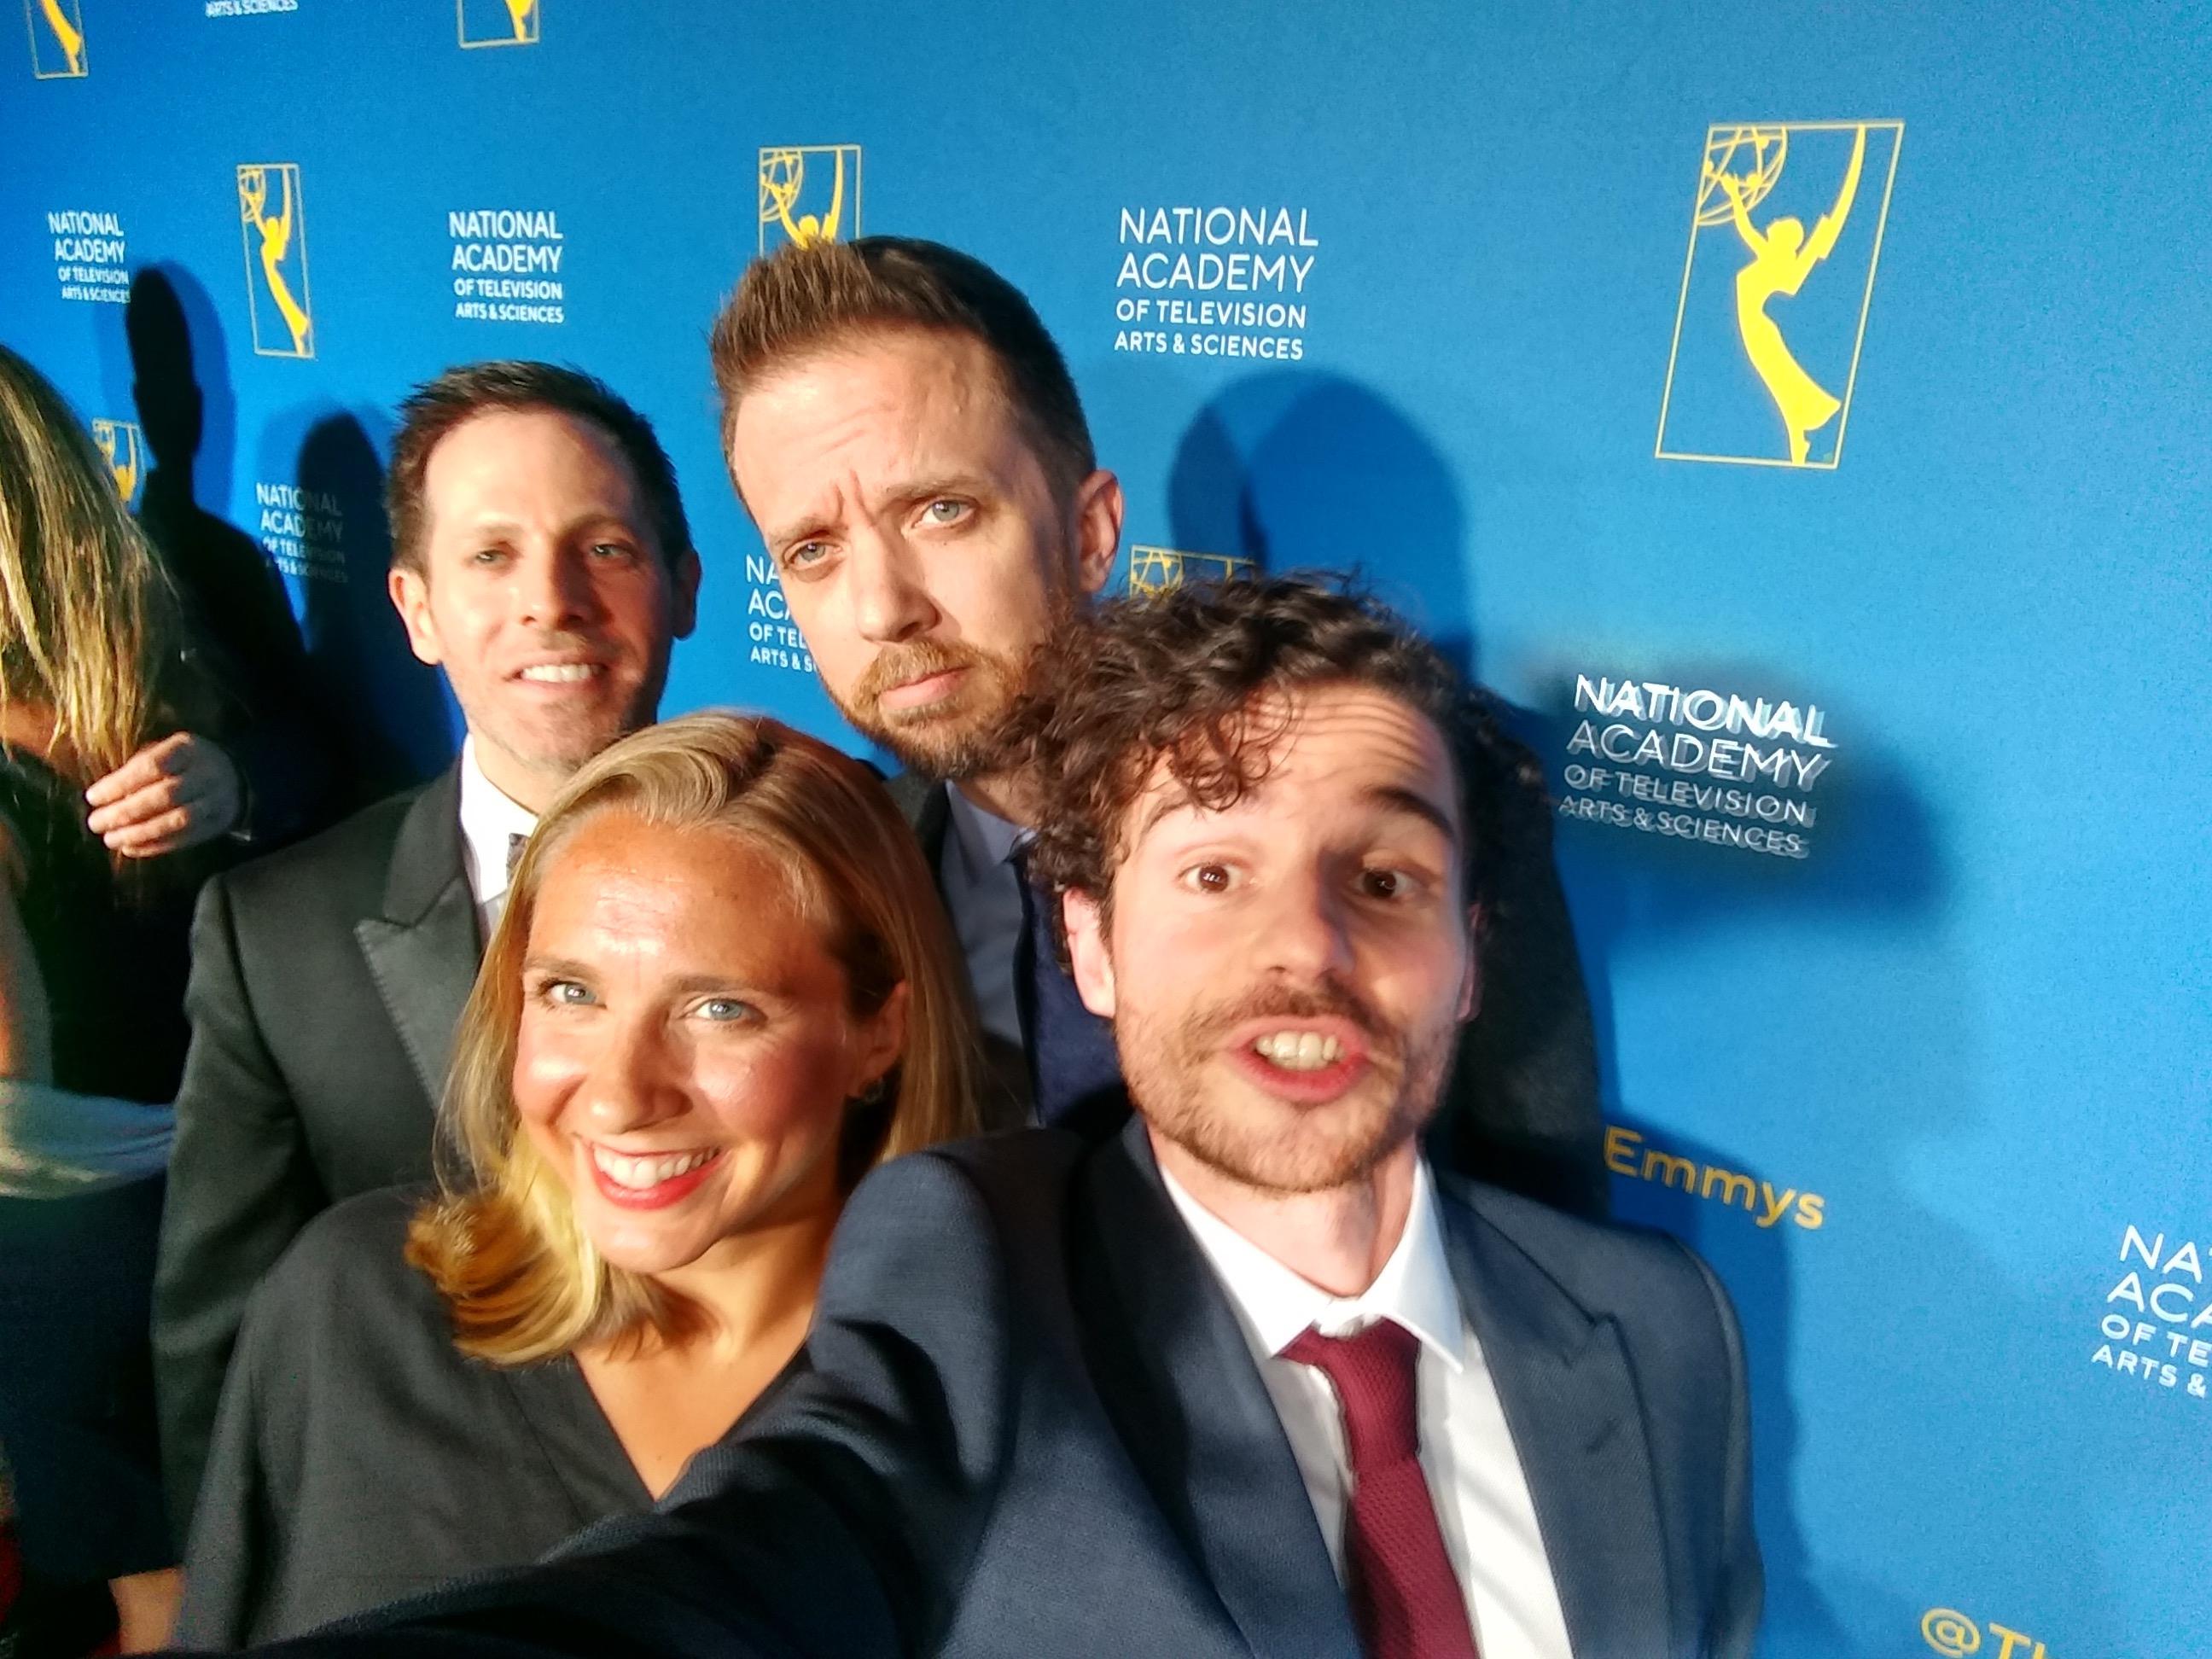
[[56, 39], [275, 228], [1771, 316], [118, 441], [498, 22], [1156, 570], [809, 193]]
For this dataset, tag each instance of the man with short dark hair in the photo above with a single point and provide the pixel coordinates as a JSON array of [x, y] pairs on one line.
[[1248, 1378], [542, 559], [907, 437]]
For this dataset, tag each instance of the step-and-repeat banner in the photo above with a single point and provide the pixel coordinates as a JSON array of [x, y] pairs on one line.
[[1798, 411]]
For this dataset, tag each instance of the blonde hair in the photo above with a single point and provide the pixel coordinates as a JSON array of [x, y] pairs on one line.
[[86, 615], [502, 1242]]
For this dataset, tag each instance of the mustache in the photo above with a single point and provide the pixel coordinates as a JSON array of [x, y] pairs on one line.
[[916, 659], [1289, 1003]]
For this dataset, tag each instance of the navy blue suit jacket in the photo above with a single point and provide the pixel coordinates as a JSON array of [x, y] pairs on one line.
[[1033, 1426]]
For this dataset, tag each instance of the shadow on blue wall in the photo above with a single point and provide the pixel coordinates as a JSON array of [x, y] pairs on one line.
[[390, 712]]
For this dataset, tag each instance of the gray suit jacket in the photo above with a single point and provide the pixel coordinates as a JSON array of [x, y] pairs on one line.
[[327, 982], [1521, 1111], [1032, 1425]]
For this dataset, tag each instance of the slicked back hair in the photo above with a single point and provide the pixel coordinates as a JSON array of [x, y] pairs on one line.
[[807, 298], [437, 407]]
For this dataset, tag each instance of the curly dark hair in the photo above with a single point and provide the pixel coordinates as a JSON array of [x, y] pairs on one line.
[[1180, 674]]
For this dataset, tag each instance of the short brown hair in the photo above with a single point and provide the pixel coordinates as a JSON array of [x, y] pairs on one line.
[[521, 1281], [1177, 675], [808, 296], [436, 407]]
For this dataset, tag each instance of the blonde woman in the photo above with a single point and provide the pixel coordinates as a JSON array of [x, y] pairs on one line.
[[93, 957], [722, 988]]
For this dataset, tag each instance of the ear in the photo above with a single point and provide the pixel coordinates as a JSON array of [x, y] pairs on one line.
[[1470, 990], [683, 613], [880, 1040], [1088, 959], [410, 597], [1098, 508]]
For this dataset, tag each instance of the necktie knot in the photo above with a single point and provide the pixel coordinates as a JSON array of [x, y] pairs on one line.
[[1374, 1371], [515, 842]]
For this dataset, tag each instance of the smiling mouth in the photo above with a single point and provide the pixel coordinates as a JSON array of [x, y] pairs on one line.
[[650, 1182], [561, 673], [1298, 1051]]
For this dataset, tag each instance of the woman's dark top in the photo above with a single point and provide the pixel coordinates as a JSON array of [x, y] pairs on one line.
[[360, 1458], [77, 1402], [113, 947]]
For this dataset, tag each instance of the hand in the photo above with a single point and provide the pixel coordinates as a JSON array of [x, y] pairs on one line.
[[170, 795]]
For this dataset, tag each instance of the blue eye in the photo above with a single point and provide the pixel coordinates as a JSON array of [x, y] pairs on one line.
[[726, 1009], [946, 511], [564, 993]]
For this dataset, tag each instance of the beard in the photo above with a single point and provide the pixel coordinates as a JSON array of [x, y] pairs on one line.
[[962, 736], [1272, 1146]]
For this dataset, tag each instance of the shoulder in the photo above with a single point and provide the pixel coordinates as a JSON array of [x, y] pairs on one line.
[[343, 1287], [935, 1220], [1640, 1278], [343, 865]]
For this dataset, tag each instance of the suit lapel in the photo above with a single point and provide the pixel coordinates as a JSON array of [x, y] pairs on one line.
[[1571, 1402], [1177, 1375], [924, 805], [422, 951]]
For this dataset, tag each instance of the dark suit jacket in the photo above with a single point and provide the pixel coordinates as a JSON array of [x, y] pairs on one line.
[[327, 982], [1522, 1111], [1032, 1425]]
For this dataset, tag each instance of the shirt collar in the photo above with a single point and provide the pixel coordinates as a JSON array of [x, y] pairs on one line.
[[488, 819], [986, 841], [1415, 1287]]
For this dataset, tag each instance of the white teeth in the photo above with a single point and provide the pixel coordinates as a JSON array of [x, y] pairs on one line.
[[562, 673], [1299, 1051], [643, 1173]]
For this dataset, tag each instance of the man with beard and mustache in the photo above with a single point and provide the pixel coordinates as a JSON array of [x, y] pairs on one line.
[[1248, 1377], [542, 560], [906, 436]]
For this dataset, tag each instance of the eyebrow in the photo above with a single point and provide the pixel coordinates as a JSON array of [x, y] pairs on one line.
[[1393, 798], [906, 494]]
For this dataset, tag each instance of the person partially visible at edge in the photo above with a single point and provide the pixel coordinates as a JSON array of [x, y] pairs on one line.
[[541, 559], [721, 990], [92, 1030], [905, 436], [1251, 1377]]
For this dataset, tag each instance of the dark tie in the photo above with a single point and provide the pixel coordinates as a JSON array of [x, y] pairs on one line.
[[1406, 1599], [1070, 1050], [515, 843]]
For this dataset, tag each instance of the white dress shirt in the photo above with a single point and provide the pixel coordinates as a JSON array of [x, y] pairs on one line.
[[983, 898], [1474, 1476], [488, 818]]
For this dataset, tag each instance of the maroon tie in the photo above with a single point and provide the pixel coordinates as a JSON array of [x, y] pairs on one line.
[[1404, 1597]]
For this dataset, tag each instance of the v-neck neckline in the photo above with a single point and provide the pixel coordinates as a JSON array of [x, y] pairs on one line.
[[580, 1441]]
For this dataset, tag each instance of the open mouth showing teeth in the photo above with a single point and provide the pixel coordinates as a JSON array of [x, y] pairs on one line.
[[643, 1173], [562, 673], [1298, 1051]]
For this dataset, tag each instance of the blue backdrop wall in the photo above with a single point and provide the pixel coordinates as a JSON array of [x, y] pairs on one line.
[[1902, 987]]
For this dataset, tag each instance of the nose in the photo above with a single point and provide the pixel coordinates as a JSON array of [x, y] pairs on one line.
[[890, 600], [553, 589], [631, 1083], [1304, 932]]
